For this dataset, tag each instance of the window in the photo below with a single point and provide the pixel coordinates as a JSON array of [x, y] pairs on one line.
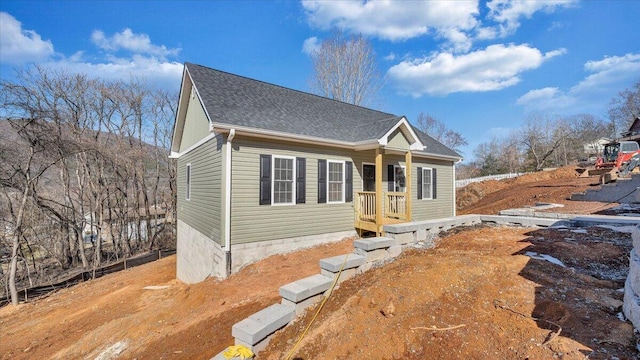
[[399, 184], [284, 182], [335, 181], [283, 177], [426, 183], [188, 189]]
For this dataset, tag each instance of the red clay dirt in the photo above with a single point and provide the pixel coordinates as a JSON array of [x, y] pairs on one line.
[[477, 277]]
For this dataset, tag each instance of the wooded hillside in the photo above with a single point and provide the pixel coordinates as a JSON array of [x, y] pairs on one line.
[[84, 173]]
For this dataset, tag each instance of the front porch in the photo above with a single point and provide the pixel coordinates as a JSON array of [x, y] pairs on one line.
[[394, 205], [375, 208]]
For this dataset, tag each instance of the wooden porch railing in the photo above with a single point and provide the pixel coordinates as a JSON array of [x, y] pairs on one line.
[[366, 205], [395, 205]]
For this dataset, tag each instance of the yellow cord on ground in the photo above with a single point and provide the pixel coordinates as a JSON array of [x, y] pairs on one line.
[[240, 351], [333, 285]]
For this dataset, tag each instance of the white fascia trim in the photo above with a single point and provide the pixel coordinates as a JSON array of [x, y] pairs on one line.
[[176, 155], [227, 192], [206, 111], [437, 156], [177, 123], [276, 135], [417, 144]]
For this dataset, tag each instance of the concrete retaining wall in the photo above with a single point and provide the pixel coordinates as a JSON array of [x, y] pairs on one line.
[[622, 191], [631, 305]]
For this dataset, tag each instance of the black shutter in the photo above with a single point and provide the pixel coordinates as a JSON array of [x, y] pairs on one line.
[[348, 181], [265, 179], [322, 181], [434, 183], [419, 183], [390, 178], [301, 174]]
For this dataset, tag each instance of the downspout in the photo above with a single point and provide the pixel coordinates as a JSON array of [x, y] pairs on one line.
[[227, 201]]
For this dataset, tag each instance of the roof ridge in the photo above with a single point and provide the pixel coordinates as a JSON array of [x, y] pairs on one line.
[[290, 89]]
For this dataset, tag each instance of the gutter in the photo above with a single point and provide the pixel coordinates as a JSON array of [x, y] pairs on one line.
[[358, 146], [227, 200]]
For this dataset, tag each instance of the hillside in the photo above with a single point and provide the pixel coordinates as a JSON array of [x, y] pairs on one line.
[[479, 282]]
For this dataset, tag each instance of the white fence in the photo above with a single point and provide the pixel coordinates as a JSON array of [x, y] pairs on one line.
[[465, 182]]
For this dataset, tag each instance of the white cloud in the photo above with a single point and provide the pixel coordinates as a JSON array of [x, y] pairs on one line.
[[19, 46], [390, 57], [155, 71], [310, 45], [128, 40], [458, 23], [396, 20], [146, 61], [509, 12], [494, 68], [606, 78]]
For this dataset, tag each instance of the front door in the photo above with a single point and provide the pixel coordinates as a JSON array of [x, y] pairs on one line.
[[368, 177]]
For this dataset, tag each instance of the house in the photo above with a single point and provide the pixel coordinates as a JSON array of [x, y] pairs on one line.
[[595, 148], [129, 223], [633, 134], [263, 169]]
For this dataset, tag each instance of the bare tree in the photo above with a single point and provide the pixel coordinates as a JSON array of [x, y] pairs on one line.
[[89, 163], [439, 131], [625, 108], [345, 69], [539, 139]]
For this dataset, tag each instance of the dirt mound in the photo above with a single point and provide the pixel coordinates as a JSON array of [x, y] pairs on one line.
[[473, 192], [476, 296], [489, 197]]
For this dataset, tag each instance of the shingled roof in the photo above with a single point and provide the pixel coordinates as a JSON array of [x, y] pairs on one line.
[[239, 101]]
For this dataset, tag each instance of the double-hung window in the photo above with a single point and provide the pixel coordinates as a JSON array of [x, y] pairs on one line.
[[335, 181], [283, 180], [427, 183]]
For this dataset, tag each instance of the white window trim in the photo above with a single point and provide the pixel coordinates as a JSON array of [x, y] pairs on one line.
[[273, 180], [189, 181], [430, 182], [342, 162], [404, 170]]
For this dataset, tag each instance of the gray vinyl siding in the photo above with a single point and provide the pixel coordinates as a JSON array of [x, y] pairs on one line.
[[203, 210], [442, 206], [251, 222], [196, 124], [397, 140]]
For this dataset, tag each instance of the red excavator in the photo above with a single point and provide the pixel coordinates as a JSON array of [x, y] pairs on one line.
[[619, 158]]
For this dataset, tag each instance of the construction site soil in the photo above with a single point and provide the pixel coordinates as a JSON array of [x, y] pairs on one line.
[[486, 292]]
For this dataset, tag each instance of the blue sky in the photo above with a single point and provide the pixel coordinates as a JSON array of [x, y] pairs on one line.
[[477, 66]]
